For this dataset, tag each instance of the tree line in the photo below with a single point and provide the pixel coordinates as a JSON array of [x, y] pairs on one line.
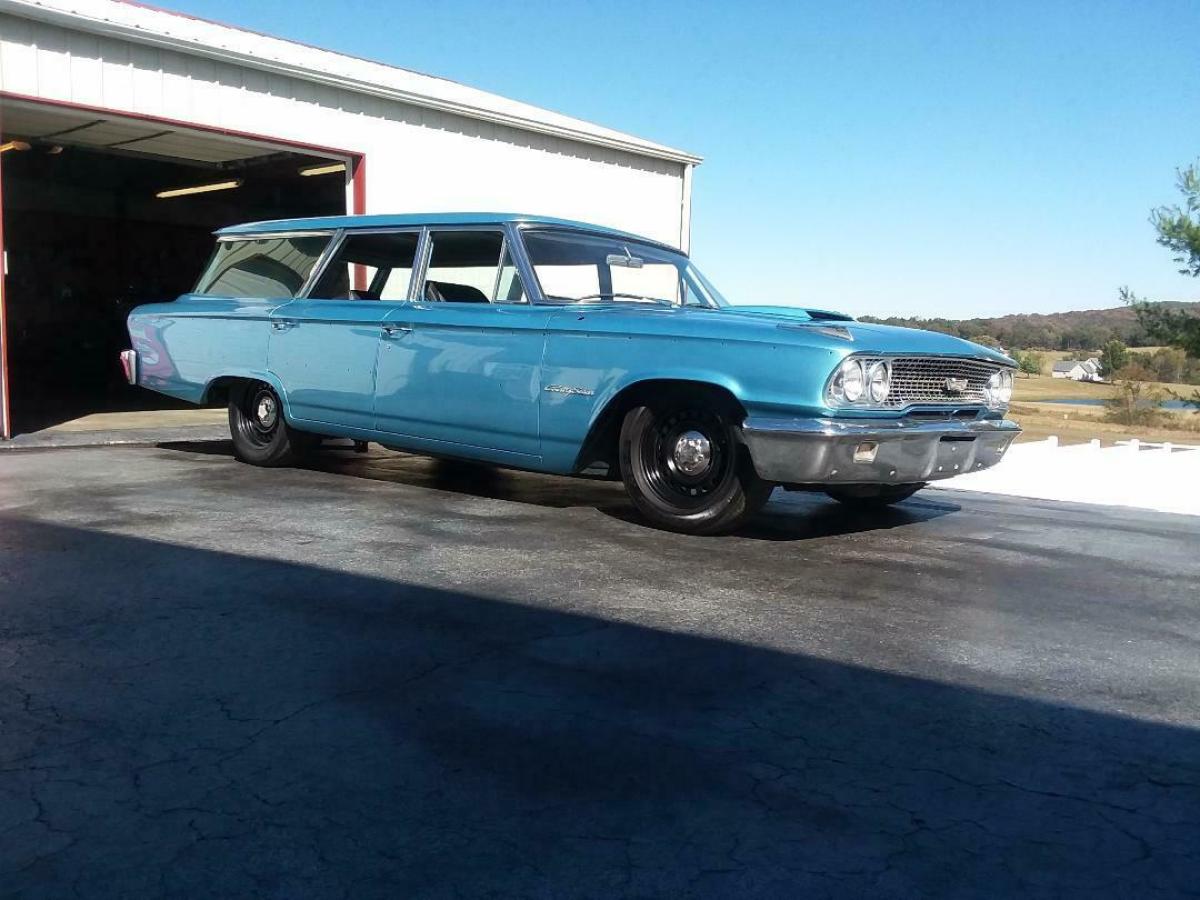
[[1084, 330], [1174, 328]]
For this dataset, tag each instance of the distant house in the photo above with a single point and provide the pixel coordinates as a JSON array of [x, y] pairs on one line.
[[1078, 369]]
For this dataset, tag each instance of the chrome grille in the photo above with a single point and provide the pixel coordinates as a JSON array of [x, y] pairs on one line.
[[923, 380]]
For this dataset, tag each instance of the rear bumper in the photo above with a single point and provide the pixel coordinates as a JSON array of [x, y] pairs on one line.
[[900, 451]]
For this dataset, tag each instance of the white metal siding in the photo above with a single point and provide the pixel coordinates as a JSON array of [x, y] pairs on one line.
[[419, 159]]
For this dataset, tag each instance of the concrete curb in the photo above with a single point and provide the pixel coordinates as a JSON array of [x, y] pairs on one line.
[[128, 437]]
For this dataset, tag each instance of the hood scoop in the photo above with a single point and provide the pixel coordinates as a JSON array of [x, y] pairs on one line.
[[836, 331]]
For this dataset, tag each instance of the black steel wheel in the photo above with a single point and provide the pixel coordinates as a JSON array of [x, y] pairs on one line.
[[261, 434], [872, 496], [685, 468]]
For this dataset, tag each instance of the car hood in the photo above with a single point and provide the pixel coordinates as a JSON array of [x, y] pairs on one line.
[[791, 312], [862, 337]]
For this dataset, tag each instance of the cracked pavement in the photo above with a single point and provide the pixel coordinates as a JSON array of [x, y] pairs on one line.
[[385, 676]]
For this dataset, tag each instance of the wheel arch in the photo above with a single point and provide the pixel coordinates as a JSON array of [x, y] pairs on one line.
[[216, 390], [600, 444]]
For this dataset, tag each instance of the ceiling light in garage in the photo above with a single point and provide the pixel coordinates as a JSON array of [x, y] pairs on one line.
[[13, 145], [200, 189], [324, 170]]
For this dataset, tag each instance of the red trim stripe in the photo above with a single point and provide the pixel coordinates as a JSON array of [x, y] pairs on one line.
[[360, 209], [180, 123], [5, 418], [360, 186]]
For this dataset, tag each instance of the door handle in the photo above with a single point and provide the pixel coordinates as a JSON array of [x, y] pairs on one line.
[[390, 329], [282, 324]]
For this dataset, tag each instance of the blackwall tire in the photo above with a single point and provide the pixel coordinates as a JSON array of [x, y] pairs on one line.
[[685, 468], [873, 497], [261, 435]]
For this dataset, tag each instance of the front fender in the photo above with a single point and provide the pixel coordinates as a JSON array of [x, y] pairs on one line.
[[584, 372], [629, 380]]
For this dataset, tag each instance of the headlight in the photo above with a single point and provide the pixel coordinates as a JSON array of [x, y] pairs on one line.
[[858, 381], [879, 381], [999, 389], [850, 376]]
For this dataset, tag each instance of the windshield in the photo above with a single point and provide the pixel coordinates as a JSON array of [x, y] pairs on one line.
[[584, 268]]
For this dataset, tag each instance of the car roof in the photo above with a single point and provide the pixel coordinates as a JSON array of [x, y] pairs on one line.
[[414, 220]]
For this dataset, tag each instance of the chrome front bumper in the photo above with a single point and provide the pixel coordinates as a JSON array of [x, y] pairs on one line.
[[874, 451]]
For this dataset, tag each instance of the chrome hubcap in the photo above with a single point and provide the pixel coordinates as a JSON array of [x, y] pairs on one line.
[[692, 453], [265, 412]]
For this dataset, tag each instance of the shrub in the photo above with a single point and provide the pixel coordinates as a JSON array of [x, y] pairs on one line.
[[1137, 401], [1028, 362]]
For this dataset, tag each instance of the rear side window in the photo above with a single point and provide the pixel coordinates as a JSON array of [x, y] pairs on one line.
[[380, 263], [274, 267]]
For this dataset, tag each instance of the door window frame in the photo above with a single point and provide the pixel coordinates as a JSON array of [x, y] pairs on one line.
[[513, 243], [510, 244], [335, 246]]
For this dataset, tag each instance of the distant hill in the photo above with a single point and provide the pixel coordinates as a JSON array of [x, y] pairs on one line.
[[1085, 329]]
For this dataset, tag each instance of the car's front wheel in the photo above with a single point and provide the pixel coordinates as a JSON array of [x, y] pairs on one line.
[[685, 469], [872, 496], [261, 435]]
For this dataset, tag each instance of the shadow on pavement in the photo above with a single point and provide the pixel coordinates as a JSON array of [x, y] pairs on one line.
[[183, 721], [788, 517]]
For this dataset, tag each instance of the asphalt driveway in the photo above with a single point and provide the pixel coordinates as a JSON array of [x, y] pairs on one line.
[[390, 677]]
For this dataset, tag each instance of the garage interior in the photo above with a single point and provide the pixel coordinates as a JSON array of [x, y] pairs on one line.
[[89, 236]]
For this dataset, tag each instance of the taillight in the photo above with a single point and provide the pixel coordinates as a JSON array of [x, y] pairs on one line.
[[129, 365]]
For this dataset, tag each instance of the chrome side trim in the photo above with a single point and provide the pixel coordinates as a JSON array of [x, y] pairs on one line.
[[272, 235]]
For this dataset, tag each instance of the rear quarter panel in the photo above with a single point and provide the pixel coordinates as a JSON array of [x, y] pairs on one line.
[[183, 346]]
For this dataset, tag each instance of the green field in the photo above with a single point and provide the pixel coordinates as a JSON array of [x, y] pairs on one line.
[[1079, 424]]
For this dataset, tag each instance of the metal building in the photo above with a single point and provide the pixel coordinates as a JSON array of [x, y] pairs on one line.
[[128, 133]]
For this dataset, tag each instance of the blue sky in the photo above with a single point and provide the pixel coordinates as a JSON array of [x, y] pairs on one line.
[[916, 158]]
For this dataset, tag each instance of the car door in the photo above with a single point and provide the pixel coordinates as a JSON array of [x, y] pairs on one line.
[[459, 367], [324, 345]]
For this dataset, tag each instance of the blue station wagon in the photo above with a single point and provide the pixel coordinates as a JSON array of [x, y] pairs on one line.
[[562, 347]]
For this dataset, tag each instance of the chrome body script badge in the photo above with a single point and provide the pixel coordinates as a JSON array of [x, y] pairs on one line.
[[567, 389]]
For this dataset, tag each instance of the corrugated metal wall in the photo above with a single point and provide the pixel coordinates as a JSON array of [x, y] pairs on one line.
[[419, 159]]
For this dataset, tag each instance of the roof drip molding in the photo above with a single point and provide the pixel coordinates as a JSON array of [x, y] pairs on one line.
[[197, 37]]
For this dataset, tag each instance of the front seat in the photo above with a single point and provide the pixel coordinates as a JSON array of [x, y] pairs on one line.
[[449, 292]]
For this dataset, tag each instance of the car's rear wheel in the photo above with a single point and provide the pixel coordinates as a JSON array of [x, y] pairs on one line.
[[684, 467], [261, 435], [872, 496]]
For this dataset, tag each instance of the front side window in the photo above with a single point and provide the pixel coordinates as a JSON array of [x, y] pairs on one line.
[[581, 268], [466, 267], [375, 266], [272, 267]]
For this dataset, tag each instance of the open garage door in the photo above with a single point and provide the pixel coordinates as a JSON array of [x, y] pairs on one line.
[[101, 213]]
